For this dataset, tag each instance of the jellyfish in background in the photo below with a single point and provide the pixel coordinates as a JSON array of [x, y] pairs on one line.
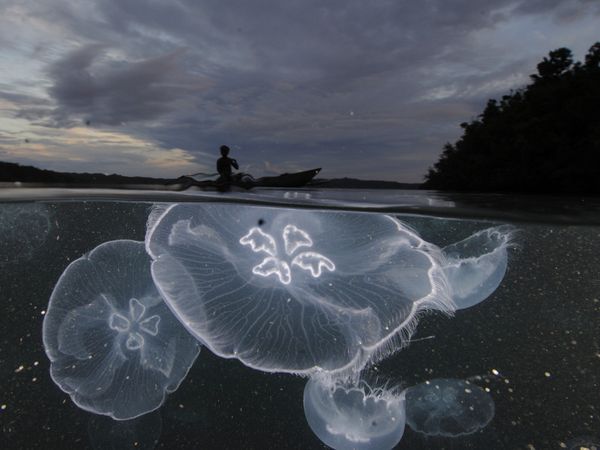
[[448, 407], [475, 266], [295, 291], [353, 416], [24, 227], [114, 346], [303, 291]]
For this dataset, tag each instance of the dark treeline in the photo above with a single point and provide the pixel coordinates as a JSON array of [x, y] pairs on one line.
[[354, 183], [544, 138], [11, 172]]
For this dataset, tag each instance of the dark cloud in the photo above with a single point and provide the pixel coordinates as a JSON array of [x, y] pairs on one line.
[[28, 107], [90, 89], [562, 9], [361, 88], [21, 99]]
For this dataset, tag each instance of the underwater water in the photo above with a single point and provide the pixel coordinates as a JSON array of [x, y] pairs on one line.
[[298, 319]]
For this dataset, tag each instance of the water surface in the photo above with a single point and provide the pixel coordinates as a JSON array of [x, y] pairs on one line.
[[534, 344]]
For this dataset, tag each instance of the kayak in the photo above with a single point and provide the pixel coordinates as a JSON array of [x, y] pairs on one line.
[[245, 181], [297, 179]]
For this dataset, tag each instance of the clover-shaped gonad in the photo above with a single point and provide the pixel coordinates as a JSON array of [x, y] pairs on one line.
[[293, 239]]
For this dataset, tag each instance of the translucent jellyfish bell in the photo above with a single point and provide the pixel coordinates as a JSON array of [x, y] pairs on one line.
[[114, 346], [475, 266], [448, 407], [294, 290], [354, 417]]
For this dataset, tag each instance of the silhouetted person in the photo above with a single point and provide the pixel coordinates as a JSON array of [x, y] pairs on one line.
[[225, 163]]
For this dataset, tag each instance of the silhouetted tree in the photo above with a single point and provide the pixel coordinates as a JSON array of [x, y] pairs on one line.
[[558, 63], [592, 59], [543, 138]]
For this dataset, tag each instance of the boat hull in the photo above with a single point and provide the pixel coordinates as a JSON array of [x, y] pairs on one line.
[[297, 179]]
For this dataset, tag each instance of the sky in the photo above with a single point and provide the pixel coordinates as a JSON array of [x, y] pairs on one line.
[[364, 89]]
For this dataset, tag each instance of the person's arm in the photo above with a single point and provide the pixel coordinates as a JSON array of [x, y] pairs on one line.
[[235, 164]]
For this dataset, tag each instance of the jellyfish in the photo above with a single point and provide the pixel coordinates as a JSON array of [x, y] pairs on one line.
[[24, 227], [295, 291], [476, 265], [352, 415], [114, 346], [448, 407]]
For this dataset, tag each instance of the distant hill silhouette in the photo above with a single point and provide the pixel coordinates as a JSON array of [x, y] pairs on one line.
[[11, 172], [544, 138], [353, 183], [32, 176]]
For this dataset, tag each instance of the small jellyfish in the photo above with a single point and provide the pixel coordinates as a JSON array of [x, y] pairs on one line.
[[448, 407], [24, 228], [297, 291], [114, 346], [353, 416], [475, 266]]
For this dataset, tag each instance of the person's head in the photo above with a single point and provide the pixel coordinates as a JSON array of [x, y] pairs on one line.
[[224, 150]]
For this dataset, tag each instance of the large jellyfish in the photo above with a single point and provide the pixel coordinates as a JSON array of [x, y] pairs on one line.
[[353, 416], [294, 290], [476, 265], [448, 407], [114, 346], [306, 291]]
